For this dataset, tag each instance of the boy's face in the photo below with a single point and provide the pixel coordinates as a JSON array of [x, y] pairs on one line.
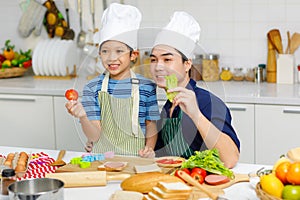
[[165, 61], [116, 59]]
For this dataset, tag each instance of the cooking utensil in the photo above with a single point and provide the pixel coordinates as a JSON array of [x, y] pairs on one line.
[[92, 5], [86, 179], [41, 188], [66, 2], [81, 35], [295, 42], [275, 37], [59, 161], [287, 50], [195, 183]]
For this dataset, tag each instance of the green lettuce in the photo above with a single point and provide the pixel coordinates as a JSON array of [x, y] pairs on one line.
[[171, 82], [210, 161]]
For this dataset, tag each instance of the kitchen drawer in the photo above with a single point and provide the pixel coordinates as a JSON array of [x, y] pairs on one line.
[[27, 121], [277, 131]]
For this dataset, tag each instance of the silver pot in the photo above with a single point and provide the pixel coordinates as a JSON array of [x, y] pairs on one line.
[[37, 189]]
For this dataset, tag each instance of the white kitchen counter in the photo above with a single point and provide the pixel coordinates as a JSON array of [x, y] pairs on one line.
[[230, 92], [240, 191]]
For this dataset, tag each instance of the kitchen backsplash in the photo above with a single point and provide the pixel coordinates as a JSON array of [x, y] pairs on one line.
[[235, 29]]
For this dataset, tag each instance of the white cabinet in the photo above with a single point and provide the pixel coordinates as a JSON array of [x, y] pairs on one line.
[[69, 135], [243, 123], [26, 121], [276, 131]]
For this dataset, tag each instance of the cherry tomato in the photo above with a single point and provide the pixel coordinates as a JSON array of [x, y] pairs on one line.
[[199, 171], [282, 170], [198, 177], [71, 94], [293, 174]]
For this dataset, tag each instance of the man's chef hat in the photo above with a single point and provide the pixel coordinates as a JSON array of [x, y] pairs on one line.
[[120, 22], [181, 33]]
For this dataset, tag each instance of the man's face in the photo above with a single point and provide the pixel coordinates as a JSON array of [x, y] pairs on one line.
[[165, 61]]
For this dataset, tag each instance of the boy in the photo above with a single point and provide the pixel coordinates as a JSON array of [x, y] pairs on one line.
[[120, 107]]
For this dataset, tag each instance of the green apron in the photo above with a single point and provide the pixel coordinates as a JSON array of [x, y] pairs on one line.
[[173, 139], [121, 131]]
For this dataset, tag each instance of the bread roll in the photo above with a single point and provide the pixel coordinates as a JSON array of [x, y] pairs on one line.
[[144, 182]]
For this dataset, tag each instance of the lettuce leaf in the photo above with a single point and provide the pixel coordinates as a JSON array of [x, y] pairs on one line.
[[210, 161], [171, 82]]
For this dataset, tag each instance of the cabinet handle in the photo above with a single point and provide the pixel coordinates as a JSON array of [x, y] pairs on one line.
[[237, 109], [17, 99], [289, 111]]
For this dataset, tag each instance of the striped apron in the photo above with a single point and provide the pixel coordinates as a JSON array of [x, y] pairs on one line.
[[121, 131], [173, 139]]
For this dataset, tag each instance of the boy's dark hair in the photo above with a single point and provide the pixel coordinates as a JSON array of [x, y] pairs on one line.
[[183, 57]]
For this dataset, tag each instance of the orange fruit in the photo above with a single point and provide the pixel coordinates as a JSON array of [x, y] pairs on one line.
[[293, 174], [282, 170]]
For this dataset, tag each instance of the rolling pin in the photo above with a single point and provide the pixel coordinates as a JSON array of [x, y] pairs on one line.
[[86, 179]]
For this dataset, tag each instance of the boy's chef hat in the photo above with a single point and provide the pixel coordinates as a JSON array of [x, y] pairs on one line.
[[182, 33], [120, 22]]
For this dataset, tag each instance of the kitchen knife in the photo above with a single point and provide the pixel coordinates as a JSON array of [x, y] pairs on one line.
[[86, 179]]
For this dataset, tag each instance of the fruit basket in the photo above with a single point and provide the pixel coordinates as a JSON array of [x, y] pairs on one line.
[[263, 195], [12, 72], [14, 63]]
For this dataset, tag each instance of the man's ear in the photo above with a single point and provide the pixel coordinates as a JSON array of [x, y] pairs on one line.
[[187, 65]]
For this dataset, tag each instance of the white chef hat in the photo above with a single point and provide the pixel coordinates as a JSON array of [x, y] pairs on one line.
[[120, 22], [181, 33]]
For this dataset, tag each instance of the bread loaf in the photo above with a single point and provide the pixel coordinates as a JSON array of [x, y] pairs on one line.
[[144, 182]]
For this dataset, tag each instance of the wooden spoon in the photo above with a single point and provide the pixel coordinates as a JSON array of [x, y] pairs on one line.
[[295, 42], [287, 50], [59, 161], [275, 37]]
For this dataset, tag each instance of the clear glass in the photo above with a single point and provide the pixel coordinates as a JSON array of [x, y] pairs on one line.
[[238, 74]]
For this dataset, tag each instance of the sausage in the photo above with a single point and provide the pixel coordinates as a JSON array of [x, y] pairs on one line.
[[215, 179], [114, 165]]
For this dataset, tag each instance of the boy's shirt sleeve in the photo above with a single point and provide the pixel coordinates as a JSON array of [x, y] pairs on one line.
[[90, 101]]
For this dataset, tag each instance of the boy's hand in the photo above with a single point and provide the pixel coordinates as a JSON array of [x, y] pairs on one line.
[[147, 152]]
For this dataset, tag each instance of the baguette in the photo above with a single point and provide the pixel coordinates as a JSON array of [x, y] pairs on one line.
[[144, 182]]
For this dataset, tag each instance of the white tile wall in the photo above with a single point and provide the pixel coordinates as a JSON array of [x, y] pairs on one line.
[[235, 29]]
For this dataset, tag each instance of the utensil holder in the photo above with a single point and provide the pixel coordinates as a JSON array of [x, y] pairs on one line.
[[285, 68]]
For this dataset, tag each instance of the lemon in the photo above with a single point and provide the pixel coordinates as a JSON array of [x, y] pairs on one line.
[[272, 185]]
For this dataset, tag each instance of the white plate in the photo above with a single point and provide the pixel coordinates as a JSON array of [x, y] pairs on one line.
[[35, 57], [70, 58], [52, 57], [59, 47], [47, 57], [40, 57]]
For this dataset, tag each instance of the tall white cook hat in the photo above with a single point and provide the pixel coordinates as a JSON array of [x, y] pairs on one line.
[[181, 33], [120, 22]]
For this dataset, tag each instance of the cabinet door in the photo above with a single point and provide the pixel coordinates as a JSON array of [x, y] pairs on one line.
[[69, 135], [277, 131], [26, 121], [243, 123]]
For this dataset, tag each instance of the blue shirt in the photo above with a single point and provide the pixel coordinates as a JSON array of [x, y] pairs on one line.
[[212, 107], [148, 107]]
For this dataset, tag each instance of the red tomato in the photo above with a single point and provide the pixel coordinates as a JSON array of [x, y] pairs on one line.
[[186, 170], [198, 177], [199, 171], [71, 94]]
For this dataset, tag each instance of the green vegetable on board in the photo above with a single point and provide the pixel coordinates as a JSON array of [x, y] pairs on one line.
[[171, 82], [210, 161]]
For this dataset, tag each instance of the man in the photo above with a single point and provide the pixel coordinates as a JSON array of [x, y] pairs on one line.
[[196, 119]]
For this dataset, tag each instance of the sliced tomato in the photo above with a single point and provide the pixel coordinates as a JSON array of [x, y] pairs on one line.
[[198, 177], [199, 171]]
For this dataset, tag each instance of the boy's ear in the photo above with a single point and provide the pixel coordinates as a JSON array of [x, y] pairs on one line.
[[134, 55]]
